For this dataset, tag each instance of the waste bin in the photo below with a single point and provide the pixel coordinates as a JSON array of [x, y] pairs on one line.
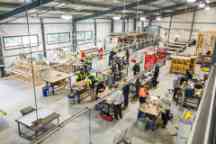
[[45, 91]]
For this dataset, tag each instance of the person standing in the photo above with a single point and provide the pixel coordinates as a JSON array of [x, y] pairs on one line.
[[136, 69], [117, 102], [143, 93], [127, 54], [189, 75], [155, 76], [137, 86], [111, 56], [126, 90]]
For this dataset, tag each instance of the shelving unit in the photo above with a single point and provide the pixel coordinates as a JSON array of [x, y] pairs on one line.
[[181, 64]]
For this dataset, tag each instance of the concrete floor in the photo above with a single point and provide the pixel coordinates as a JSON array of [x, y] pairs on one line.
[[16, 95]]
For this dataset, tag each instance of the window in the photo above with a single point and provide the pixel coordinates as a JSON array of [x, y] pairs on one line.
[[89, 35], [85, 35], [81, 36], [16, 42], [55, 38]]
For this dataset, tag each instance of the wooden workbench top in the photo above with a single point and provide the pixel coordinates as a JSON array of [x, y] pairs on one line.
[[53, 76]]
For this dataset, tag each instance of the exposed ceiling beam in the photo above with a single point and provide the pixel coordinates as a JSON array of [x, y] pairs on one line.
[[71, 10], [24, 7], [10, 5], [119, 8], [172, 7], [161, 10], [188, 10], [86, 3], [66, 9], [96, 4]]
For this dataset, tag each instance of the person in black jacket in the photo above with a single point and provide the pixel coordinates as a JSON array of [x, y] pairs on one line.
[[137, 85], [136, 69], [155, 76], [126, 90], [112, 54], [127, 55]]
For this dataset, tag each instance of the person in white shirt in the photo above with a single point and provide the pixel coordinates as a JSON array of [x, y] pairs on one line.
[[118, 99]]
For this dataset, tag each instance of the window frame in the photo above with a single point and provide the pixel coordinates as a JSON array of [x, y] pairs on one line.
[[85, 33], [58, 35], [21, 46]]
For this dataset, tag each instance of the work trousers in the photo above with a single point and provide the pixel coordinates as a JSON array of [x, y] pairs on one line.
[[126, 100], [142, 100], [117, 111]]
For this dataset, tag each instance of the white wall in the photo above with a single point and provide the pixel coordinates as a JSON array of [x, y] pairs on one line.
[[117, 26], [204, 21], [19, 27]]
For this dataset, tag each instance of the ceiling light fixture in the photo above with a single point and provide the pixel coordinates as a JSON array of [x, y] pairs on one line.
[[116, 17], [158, 19], [191, 1], [207, 1], [67, 17], [143, 18], [207, 8], [202, 5]]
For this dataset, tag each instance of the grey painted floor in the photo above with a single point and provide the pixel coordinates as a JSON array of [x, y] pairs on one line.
[[15, 95]]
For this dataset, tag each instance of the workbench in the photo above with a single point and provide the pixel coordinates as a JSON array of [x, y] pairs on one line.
[[55, 78], [31, 127], [150, 109]]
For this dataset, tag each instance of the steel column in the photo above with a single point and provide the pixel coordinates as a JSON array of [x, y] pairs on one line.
[[43, 37], [192, 25], [135, 25], [150, 22], [214, 55], [74, 35], [95, 32], [170, 26], [112, 26], [128, 25], [124, 25], [142, 26], [2, 64]]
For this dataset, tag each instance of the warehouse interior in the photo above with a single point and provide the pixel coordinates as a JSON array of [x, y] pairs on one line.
[[107, 71]]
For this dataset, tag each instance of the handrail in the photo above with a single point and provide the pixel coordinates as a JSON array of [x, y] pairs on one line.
[[201, 130]]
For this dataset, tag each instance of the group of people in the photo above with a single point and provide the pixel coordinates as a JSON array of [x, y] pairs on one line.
[[187, 86], [117, 64], [121, 98]]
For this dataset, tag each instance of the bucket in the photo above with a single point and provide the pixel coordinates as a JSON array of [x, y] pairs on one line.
[[45, 91]]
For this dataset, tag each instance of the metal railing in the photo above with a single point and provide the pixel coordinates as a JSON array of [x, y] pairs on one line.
[[204, 127]]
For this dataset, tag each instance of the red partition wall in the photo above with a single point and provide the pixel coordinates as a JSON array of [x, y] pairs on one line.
[[154, 58], [150, 61]]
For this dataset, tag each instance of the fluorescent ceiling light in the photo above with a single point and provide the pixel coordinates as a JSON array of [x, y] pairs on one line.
[[191, 1], [66, 17], [143, 18], [207, 8], [201, 5], [116, 17], [158, 18]]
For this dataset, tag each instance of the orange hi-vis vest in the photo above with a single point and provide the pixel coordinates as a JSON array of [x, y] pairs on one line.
[[143, 92]]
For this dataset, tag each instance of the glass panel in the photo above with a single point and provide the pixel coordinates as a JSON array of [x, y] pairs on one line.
[[64, 37], [81, 36], [34, 40], [89, 35], [55, 38], [52, 38], [12, 42]]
